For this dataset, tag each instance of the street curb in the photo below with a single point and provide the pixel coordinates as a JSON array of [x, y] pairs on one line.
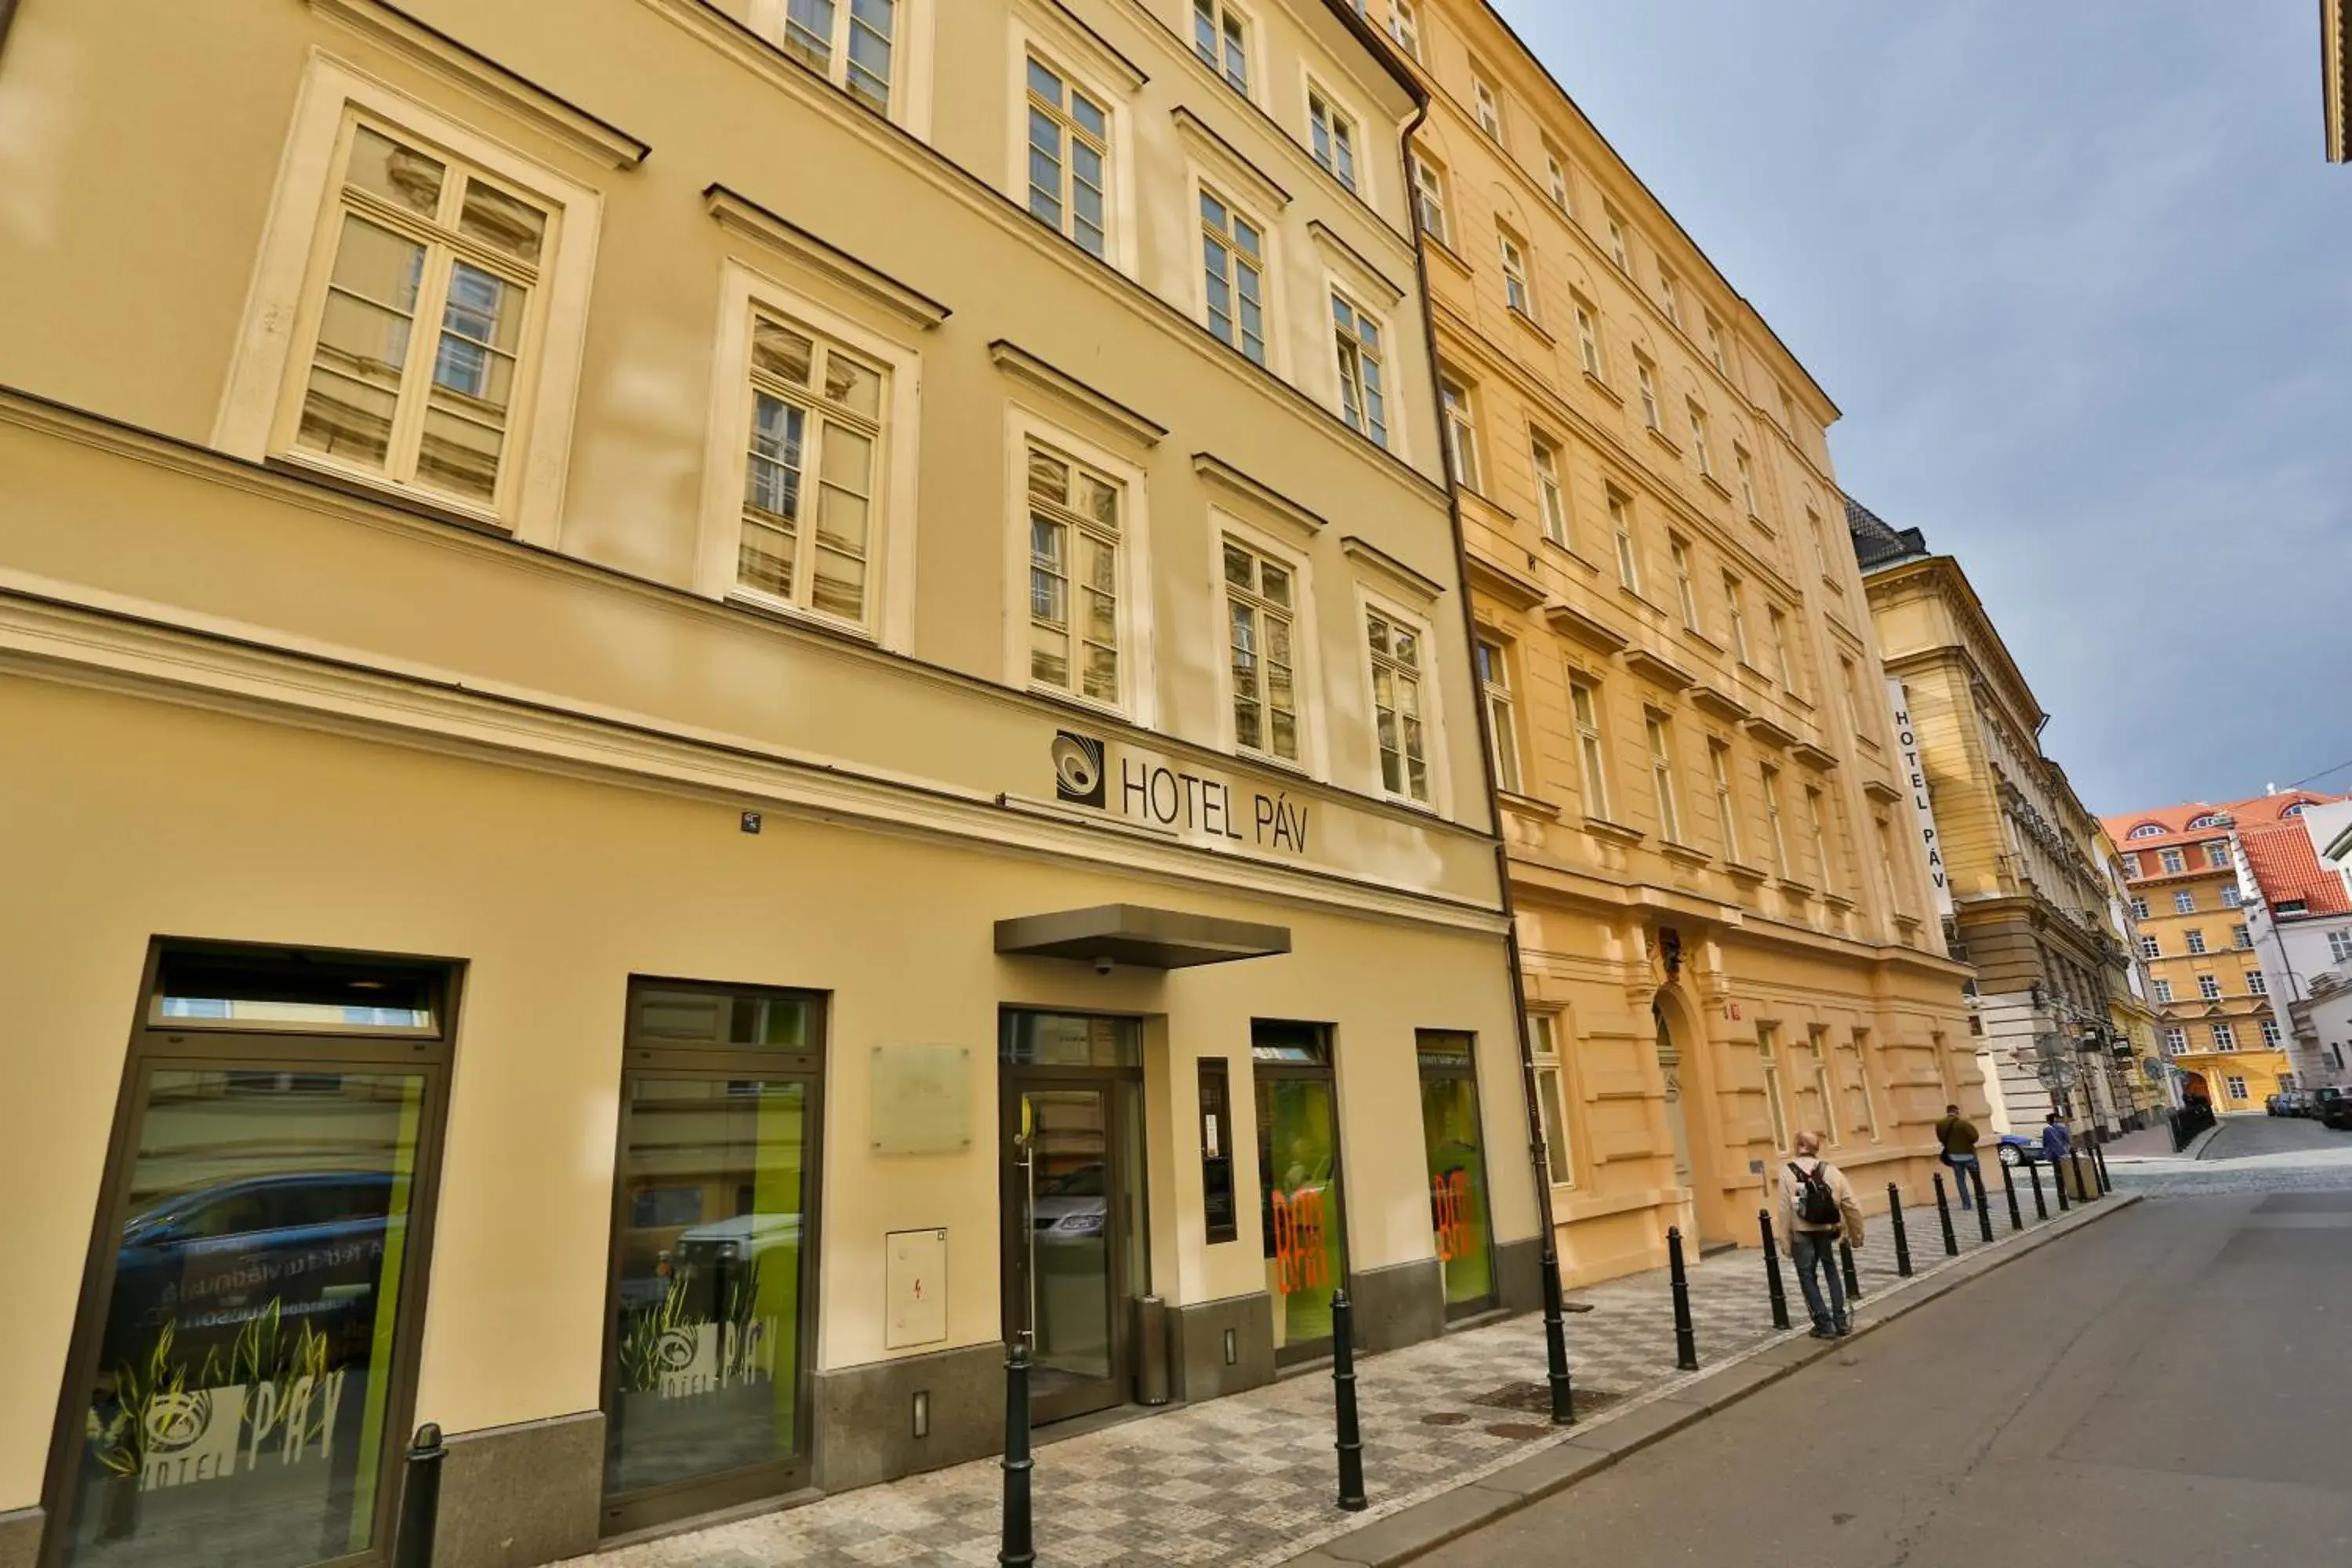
[[2196, 1150], [1415, 1532]]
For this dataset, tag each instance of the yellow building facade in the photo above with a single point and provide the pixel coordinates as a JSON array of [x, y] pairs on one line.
[[1723, 912], [747, 685]]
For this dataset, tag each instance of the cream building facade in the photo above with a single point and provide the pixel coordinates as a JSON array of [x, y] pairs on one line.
[[747, 684], [1722, 915]]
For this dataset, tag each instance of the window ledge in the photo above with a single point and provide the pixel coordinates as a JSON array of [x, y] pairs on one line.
[[1683, 854], [1755, 877], [1790, 885], [1532, 325], [1839, 902], [371, 487], [1692, 634], [793, 616], [1663, 440], [1616, 832], [1574, 555], [1445, 252], [1717, 486], [1604, 389], [1527, 806]]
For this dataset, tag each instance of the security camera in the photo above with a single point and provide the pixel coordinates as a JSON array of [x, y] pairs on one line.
[[1102, 966]]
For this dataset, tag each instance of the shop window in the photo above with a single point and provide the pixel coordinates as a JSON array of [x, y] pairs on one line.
[[1457, 1152]]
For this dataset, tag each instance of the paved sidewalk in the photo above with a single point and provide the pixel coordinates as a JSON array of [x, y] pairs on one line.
[[1247, 1481]]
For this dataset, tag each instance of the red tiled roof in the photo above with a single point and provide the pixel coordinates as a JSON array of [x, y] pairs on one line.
[[2173, 820], [2287, 867]]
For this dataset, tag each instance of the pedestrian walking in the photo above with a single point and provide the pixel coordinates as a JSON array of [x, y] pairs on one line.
[[1819, 1207], [2057, 1141], [1958, 1134]]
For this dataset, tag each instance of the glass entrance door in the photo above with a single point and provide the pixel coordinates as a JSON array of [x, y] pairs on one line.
[[1298, 1170], [1072, 1180], [1457, 1169], [714, 1249]]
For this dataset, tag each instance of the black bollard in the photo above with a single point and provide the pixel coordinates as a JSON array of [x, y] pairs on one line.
[[1902, 1235], [1686, 1340], [1773, 1288], [1845, 1262], [2083, 1189], [2058, 1180], [2041, 1209], [2008, 1191], [1975, 1178], [1563, 1392], [1944, 1214], [420, 1499], [1018, 1548], [2099, 1164], [1343, 1395]]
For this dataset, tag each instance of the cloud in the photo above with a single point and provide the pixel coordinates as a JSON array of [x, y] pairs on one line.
[[2077, 276]]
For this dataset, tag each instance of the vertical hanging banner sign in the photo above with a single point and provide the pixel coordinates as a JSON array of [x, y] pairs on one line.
[[1923, 808]]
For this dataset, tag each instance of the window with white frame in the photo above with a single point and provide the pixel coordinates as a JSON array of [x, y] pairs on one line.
[[2270, 1030], [2184, 903], [1619, 251], [1489, 108], [1670, 295], [1588, 339], [1817, 821], [1727, 807], [1363, 395], [1232, 256], [2225, 1036], [2149, 949], [1686, 591], [1700, 448], [2175, 1041], [1744, 466], [1775, 625], [2131, 863], [2196, 940], [1220, 37], [1395, 649], [1502, 732], [2208, 987], [850, 43], [413, 363], [1767, 1052], [2217, 854], [1734, 610], [2172, 859], [1516, 291], [1556, 168], [2164, 990], [1591, 754], [1077, 535], [1662, 778], [1818, 1046], [2242, 936], [1405, 26], [1261, 608], [1552, 499], [1895, 895], [2339, 946], [2257, 983], [2139, 912], [1543, 1044], [2231, 898], [1714, 345], [1429, 199], [1621, 523], [1775, 834], [812, 472], [2237, 1086], [1461, 432], [1069, 146], [1850, 686], [1332, 137], [1865, 1103], [1646, 377]]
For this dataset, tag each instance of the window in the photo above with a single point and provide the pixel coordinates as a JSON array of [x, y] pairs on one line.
[[2147, 830], [2131, 863], [2241, 936], [1429, 198], [1617, 246], [1819, 1043], [2225, 1036], [1865, 1103], [1543, 1044], [2195, 942], [2217, 854], [1787, 412], [1661, 779], [1735, 609], [1587, 340], [1820, 545], [1490, 112], [1592, 761], [1670, 294], [1069, 142], [1777, 624], [1233, 251], [1558, 173], [2172, 859], [2148, 949], [1460, 433], [1886, 834], [2270, 1029], [1686, 591], [1699, 447], [1745, 467], [1552, 502], [2208, 987], [1726, 809], [2164, 990], [1620, 523], [849, 44], [1851, 691], [1332, 138], [1516, 293], [1220, 37], [1495, 691], [2257, 983], [1776, 836], [809, 477], [1648, 380], [2184, 903], [1261, 603], [2339, 946], [1396, 705], [2231, 898], [1364, 401], [1075, 537], [1767, 1052], [1405, 26], [1817, 825], [2175, 1041], [427, 251], [1714, 345], [2139, 910], [2237, 1086]]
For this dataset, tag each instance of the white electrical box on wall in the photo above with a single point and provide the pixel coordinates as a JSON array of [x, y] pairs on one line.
[[914, 1288]]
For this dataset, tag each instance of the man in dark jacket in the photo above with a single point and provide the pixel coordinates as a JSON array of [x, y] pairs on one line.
[[1958, 1134]]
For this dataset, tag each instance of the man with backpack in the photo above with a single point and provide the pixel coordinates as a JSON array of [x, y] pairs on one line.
[[1818, 1207]]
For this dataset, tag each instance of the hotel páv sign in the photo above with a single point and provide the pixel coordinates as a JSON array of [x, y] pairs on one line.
[[1923, 805], [1178, 799]]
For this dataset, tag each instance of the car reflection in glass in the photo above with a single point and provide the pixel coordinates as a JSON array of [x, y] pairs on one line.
[[1071, 1208]]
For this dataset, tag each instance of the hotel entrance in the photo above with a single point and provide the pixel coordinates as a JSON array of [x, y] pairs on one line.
[[1075, 1229]]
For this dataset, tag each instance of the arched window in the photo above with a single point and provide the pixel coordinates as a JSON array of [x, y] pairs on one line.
[[2147, 830], [2294, 810], [2208, 820]]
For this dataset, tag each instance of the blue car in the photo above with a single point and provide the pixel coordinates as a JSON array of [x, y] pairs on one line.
[[2016, 1150]]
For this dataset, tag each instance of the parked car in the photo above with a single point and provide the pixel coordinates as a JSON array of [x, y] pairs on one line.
[[2337, 1114], [2016, 1150]]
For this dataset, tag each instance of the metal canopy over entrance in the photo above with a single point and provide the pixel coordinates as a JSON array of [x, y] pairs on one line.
[[1139, 936]]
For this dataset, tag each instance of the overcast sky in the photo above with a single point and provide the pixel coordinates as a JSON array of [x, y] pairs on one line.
[[2081, 281]]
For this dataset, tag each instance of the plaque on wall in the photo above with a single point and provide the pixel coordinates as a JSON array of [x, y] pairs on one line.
[[922, 1100]]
